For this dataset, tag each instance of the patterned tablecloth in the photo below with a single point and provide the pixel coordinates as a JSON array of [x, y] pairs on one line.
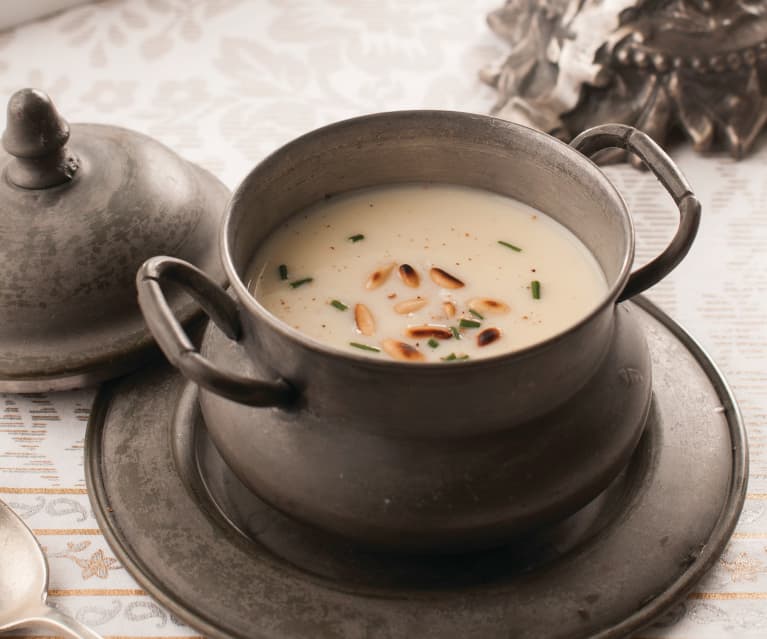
[[224, 82]]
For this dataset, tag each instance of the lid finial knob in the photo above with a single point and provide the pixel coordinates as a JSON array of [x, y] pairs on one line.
[[36, 135]]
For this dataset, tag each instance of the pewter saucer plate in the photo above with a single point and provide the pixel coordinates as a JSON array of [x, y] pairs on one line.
[[231, 566]]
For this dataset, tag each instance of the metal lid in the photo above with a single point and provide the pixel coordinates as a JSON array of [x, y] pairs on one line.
[[81, 208]]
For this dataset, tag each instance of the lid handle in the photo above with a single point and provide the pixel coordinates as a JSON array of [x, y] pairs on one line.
[[36, 135]]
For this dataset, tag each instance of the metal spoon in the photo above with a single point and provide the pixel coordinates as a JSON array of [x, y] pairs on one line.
[[24, 582]]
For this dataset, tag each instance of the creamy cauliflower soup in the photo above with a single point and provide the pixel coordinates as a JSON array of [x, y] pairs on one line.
[[425, 273]]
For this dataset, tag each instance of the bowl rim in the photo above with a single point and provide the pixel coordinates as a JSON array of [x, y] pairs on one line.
[[252, 306]]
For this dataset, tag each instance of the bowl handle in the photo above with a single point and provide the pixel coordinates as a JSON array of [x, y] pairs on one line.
[[177, 346], [626, 137]]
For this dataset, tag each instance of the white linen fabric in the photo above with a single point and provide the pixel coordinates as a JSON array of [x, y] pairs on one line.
[[225, 82]]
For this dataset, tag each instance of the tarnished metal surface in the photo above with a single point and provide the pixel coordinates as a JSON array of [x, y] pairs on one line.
[[392, 454], [694, 65], [605, 573], [70, 250]]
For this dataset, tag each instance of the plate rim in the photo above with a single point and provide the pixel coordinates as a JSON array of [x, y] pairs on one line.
[[685, 581]]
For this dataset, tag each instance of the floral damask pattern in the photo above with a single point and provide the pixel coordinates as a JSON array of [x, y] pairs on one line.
[[243, 77], [225, 82], [154, 25], [742, 567], [388, 35], [98, 564]]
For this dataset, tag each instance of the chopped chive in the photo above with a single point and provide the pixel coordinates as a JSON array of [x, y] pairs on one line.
[[433, 343], [298, 283], [453, 357], [475, 314], [339, 305], [466, 323], [535, 288], [365, 347], [511, 246], [283, 270], [454, 331], [356, 238]]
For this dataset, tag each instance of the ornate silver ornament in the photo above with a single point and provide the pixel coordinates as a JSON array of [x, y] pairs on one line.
[[699, 66]]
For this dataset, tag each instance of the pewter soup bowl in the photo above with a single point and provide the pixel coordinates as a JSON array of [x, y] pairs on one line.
[[426, 457]]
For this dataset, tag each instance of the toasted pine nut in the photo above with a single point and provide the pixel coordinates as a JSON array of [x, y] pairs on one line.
[[410, 306], [364, 320], [444, 279], [409, 276], [379, 276], [449, 309], [488, 306], [402, 351], [428, 330], [488, 336]]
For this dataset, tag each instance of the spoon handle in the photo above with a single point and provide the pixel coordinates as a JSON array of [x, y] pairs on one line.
[[65, 625]]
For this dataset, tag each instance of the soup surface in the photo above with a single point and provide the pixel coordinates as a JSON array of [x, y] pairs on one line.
[[425, 272]]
